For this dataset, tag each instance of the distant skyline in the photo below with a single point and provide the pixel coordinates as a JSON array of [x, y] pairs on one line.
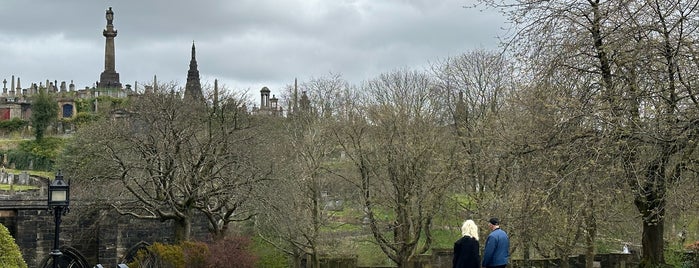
[[246, 44]]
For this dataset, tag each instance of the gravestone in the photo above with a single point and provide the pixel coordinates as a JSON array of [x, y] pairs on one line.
[[24, 178]]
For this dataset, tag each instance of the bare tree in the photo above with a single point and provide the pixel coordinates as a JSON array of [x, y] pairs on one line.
[[640, 58], [297, 219], [564, 180], [169, 159], [396, 137], [474, 87]]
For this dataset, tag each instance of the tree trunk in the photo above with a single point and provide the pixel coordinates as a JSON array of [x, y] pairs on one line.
[[565, 262], [650, 202], [300, 260], [183, 229], [589, 253], [652, 241], [590, 234]]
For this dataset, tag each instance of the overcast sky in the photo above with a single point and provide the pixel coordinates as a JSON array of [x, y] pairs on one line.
[[246, 44]]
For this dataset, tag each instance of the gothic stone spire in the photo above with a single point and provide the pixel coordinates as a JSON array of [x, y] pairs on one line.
[[192, 89]]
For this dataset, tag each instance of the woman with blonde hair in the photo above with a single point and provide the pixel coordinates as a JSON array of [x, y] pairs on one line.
[[466, 249]]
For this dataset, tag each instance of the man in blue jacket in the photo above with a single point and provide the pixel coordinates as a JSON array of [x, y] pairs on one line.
[[497, 246]]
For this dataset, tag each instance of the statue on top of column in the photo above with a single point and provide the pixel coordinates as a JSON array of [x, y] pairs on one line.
[[110, 16]]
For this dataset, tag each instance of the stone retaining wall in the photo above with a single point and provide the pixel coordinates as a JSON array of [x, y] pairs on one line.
[[100, 234]]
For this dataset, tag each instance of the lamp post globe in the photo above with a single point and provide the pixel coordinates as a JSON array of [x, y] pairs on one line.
[[59, 192], [58, 201]]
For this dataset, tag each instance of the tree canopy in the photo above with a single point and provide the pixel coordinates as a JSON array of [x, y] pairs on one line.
[[169, 159], [44, 112]]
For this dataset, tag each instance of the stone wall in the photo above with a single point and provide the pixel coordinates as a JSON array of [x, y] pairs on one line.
[[99, 234], [442, 258]]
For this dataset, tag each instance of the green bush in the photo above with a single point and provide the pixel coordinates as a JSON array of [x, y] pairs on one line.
[[10, 256], [87, 105], [83, 118], [49, 147], [183, 255], [15, 124], [41, 154]]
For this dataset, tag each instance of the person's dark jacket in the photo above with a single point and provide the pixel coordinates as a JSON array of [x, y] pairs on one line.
[[466, 253], [497, 248]]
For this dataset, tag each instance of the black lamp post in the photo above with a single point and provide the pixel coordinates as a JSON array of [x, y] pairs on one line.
[[59, 199]]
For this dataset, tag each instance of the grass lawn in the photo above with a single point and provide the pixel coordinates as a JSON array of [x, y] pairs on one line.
[[6, 187], [369, 253], [10, 143], [43, 174], [269, 257], [16, 187]]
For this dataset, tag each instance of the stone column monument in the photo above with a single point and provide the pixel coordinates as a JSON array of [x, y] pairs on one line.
[[109, 78]]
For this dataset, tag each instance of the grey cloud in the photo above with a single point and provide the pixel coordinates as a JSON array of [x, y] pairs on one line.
[[247, 42]]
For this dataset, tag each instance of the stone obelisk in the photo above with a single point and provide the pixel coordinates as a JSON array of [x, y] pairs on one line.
[[109, 78]]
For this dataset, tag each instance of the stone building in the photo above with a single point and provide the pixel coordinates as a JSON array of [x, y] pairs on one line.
[[271, 107], [15, 102], [268, 106], [14, 105]]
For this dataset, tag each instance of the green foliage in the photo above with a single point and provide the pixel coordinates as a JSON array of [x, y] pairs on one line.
[[10, 256], [82, 118], [84, 105], [445, 238], [463, 201], [369, 254], [14, 124], [140, 259], [41, 153], [604, 247], [48, 148], [183, 255], [6, 187], [169, 255], [676, 257], [44, 112], [87, 105], [269, 257], [456, 209]]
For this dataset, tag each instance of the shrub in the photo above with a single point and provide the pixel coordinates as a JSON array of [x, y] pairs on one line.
[[41, 154], [183, 255], [231, 250], [169, 255], [83, 118], [197, 255], [693, 247], [14, 124], [10, 256]]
